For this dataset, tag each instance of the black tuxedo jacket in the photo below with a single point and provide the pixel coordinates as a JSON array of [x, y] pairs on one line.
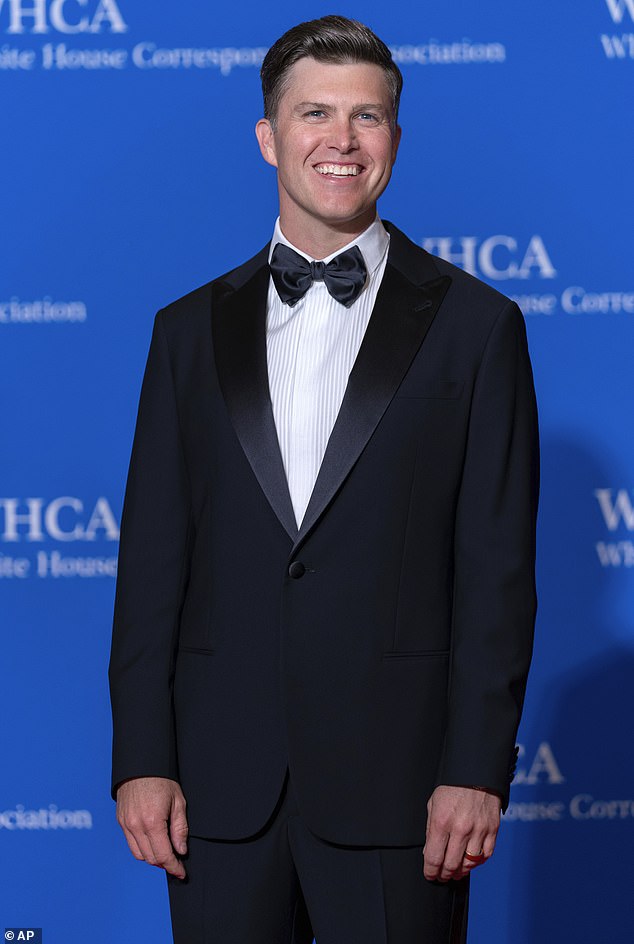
[[383, 648]]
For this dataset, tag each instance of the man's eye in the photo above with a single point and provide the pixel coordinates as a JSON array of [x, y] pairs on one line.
[[315, 113], [368, 116]]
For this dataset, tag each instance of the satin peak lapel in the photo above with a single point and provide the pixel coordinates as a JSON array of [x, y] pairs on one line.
[[239, 332], [402, 315]]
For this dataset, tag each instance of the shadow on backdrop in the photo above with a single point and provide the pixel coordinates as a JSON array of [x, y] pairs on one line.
[[579, 871]]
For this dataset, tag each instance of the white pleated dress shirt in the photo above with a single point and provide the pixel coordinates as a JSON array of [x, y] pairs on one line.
[[311, 348]]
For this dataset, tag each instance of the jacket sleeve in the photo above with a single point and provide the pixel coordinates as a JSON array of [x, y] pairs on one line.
[[152, 576], [494, 566]]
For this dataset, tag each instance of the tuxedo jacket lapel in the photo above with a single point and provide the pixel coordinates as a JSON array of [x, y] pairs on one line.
[[239, 333], [402, 315]]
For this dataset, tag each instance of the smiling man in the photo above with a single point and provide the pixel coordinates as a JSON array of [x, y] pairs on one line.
[[326, 597], [333, 138]]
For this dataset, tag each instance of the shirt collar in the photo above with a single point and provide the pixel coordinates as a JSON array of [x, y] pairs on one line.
[[372, 242]]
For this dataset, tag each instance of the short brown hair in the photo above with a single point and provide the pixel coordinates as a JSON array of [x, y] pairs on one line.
[[333, 39]]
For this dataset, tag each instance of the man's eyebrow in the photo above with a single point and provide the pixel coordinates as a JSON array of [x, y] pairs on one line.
[[312, 106], [325, 106], [369, 106]]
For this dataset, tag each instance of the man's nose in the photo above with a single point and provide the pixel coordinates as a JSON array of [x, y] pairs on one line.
[[343, 136]]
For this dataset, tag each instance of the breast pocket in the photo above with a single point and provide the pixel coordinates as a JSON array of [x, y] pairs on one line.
[[415, 654]]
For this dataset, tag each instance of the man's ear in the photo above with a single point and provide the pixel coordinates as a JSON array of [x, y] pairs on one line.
[[266, 140]]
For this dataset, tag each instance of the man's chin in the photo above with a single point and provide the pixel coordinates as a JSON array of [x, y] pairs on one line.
[[344, 218]]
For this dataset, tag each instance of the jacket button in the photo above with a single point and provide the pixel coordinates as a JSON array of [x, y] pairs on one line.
[[296, 570]]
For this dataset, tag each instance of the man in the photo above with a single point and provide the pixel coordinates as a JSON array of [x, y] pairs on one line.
[[326, 598]]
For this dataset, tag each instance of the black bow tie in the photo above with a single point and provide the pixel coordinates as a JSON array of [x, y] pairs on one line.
[[293, 275]]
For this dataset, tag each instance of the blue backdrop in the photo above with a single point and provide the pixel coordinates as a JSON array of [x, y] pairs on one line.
[[130, 174]]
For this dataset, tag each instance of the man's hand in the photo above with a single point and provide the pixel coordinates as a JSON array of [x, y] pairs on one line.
[[151, 813], [459, 820]]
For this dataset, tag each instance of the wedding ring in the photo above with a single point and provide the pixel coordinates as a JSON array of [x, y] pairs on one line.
[[477, 859]]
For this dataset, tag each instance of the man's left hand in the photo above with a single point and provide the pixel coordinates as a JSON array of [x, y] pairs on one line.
[[459, 820]]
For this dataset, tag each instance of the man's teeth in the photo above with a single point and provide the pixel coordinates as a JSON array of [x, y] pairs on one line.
[[339, 170]]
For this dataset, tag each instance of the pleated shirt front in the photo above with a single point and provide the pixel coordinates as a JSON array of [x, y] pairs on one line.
[[311, 349]]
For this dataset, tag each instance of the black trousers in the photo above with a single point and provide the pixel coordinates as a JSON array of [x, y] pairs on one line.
[[285, 886]]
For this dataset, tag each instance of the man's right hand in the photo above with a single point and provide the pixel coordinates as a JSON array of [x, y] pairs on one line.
[[151, 812]]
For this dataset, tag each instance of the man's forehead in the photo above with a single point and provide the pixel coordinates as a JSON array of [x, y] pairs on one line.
[[327, 82]]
